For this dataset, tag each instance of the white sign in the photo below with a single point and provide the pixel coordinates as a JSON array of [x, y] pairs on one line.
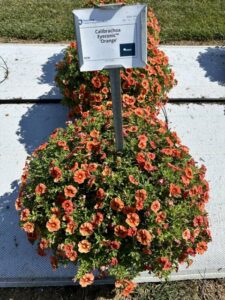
[[111, 36]]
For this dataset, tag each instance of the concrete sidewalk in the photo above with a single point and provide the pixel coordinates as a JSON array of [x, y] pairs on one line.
[[200, 71]]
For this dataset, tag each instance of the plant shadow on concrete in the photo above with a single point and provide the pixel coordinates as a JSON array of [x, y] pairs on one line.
[[42, 118], [213, 63], [48, 77]]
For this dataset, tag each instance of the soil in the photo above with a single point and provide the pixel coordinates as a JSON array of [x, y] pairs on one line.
[[179, 290]]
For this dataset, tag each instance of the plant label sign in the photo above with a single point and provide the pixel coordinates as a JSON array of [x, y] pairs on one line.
[[111, 36]]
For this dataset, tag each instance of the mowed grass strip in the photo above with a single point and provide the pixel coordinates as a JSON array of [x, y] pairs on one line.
[[52, 21]]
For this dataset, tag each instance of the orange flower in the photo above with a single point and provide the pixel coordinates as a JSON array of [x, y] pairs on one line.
[[84, 246], [24, 214], [105, 90], [139, 204], [155, 206], [115, 245], [160, 217], [92, 167], [141, 195], [71, 226], [79, 176], [144, 237], [188, 173], [40, 189], [143, 138], [73, 44], [166, 263], [56, 174], [28, 227], [117, 204], [67, 205], [139, 112], [133, 128], [120, 231], [100, 194], [53, 224], [96, 82], [174, 190], [18, 204], [87, 279], [140, 158], [133, 180], [72, 255], [153, 144], [86, 229], [70, 191], [97, 218], [185, 180], [142, 145], [128, 289], [201, 247], [132, 231], [132, 220], [149, 167], [186, 234], [63, 145], [106, 171], [94, 133]]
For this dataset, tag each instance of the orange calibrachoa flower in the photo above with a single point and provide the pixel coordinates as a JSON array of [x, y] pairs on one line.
[[97, 219], [87, 279], [117, 204], [40, 189], [155, 206], [70, 191], [174, 190], [56, 174], [141, 195], [53, 224], [28, 227], [133, 180], [79, 176], [144, 237], [132, 219], [186, 234], [188, 173], [84, 246], [24, 214], [86, 229], [201, 247], [120, 231], [67, 205], [71, 226]]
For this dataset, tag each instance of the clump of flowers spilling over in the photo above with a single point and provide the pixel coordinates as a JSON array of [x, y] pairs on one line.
[[118, 213], [141, 87]]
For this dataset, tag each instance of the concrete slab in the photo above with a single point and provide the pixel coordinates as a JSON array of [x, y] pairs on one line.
[[200, 71], [25, 126]]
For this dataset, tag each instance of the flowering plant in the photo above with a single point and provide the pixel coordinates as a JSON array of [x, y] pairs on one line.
[[120, 213], [143, 86]]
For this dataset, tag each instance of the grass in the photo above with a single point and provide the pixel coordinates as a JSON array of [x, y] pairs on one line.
[[179, 290], [52, 21]]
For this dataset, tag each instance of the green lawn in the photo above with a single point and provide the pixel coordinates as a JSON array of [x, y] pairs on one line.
[[51, 20]]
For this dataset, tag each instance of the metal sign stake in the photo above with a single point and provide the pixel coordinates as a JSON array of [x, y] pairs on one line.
[[115, 82]]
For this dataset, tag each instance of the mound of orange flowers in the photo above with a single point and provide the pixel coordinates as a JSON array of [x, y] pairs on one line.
[[119, 213], [145, 87]]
